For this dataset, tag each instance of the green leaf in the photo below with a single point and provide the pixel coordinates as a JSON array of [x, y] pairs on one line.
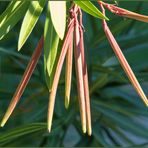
[[51, 41], [8, 11], [100, 82], [30, 20], [123, 122], [21, 131], [98, 135], [10, 17], [91, 9], [58, 16], [11, 53]]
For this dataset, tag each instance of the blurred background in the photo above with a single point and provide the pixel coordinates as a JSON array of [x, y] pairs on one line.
[[119, 117]]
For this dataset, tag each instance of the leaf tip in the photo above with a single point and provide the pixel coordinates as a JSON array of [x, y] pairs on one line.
[[19, 46], [18, 49], [107, 18], [61, 36]]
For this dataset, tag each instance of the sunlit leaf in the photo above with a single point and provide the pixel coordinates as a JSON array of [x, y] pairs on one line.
[[91, 9], [58, 16], [30, 20], [11, 16], [51, 41], [21, 131]]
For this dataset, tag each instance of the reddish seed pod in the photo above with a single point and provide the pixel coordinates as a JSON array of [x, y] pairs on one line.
[[25, 79], [125, 13]]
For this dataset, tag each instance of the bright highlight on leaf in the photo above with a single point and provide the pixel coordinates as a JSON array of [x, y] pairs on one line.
[[30, 19], [88, 7], [58, 16], [51, 42], [10, 17], [9, 10]]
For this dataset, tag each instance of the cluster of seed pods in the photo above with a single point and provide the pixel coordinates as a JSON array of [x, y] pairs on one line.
[[74, 36], [74, 42]]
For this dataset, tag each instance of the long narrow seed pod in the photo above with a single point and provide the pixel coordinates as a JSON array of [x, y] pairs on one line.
[[68, 73], [64, 49], [25, 79], [79, 74], [123, 60], [125, 13], [85, 79]]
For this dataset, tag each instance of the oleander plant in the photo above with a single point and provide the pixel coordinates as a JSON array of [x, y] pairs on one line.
[[73, 73]]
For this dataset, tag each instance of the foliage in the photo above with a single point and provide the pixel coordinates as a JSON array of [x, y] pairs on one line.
[[118, 114]]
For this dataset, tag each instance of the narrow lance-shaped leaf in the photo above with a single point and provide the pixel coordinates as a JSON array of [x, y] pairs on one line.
[[18, 132], [79, 74], [85, 80], [11, 16], [25, 79], [57, 74], [10, 8], [123, 61], [58, 16], [68, 72], [51, 41], [126, 13], [88, 7], [30, 19]]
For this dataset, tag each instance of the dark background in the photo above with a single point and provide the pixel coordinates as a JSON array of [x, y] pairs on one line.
[[119, 117]]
